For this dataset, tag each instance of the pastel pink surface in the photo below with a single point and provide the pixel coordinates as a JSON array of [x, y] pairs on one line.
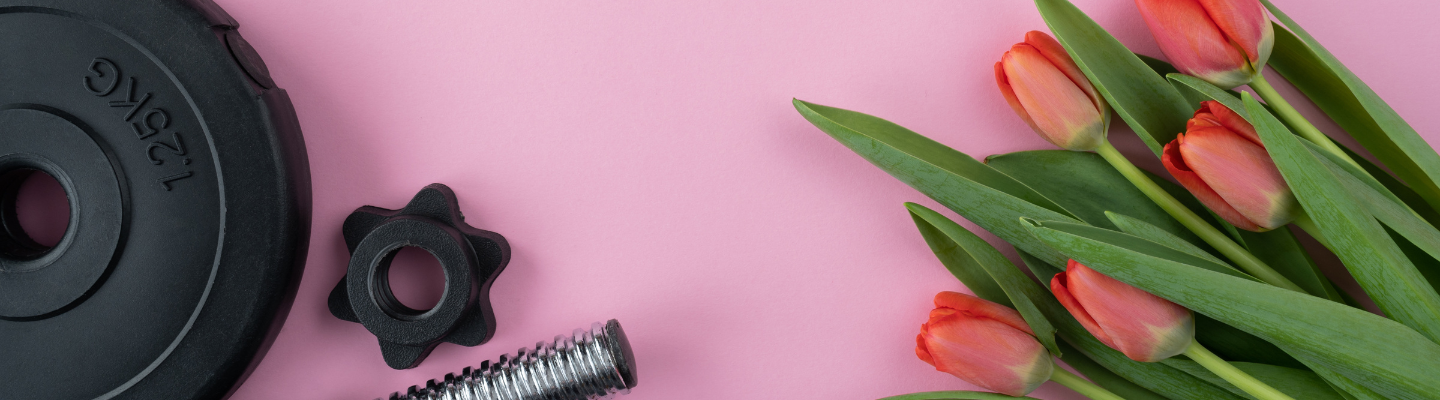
[[645, 163]]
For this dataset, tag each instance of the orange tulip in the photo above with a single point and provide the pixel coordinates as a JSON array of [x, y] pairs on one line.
[[1224, 42], [1045, 87], [1145, 327], [1221, 160], [984, 343]]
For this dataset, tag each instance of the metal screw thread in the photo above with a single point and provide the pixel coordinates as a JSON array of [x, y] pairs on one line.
[[592, 364]]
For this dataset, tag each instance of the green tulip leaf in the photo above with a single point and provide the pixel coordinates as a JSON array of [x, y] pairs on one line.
[[1357, 176], [1156, 234], [1418, 240], [1380, 354], [1152, 247], [1297, 383], [1207, 91], [1103, 377], [983, 195], [967, 256], [1233, 344], [1383, 204], [1398, 189], [954, 395], [1279, 249], [1228, 98], [1088, 186], [1362, 244], [1163, 68], [1042, 270], [960, 263], [1160, 67], [1355, 107], [1343, 385], [1149, 104], [1428, 265]]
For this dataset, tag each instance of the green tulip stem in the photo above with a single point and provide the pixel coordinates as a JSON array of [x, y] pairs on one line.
[[1294, 119], [1235, 376], [1180, 212], [1082, 386]]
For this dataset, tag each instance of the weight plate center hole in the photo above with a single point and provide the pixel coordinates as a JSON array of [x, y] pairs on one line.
[[416, 279], [36, 212]]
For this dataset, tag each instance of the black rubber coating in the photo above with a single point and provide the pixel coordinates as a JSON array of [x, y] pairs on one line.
[[189, 194], [471, 258]]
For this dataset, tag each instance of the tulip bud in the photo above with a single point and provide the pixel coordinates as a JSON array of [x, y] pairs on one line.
[[1045, 87], [1224, 42], [1145, 327], [984, 343], [1221, 160]]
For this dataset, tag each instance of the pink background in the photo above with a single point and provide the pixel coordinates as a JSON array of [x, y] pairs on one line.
[[645, 163]]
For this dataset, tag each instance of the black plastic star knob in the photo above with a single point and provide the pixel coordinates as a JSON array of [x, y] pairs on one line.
[[470, 257]]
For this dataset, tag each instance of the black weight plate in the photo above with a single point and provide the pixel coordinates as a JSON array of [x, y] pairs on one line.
[[189, 193]]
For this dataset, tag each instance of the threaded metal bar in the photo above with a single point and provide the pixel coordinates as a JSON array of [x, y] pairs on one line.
[[592, 364]]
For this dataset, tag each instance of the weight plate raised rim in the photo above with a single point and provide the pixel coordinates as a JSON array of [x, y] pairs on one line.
[[246, 144]]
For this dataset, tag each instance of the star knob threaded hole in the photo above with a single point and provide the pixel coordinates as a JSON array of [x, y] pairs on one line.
[[414, 281]]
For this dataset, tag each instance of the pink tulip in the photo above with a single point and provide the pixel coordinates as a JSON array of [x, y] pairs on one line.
[[1045, 87], [1221, 161], [1224, 42], [1145, 327], [983, 343]]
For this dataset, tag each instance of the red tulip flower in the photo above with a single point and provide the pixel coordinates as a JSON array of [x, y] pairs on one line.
[[1221, 161], [1145, 327], [1224, 42], [983, 343], [1045, 87]]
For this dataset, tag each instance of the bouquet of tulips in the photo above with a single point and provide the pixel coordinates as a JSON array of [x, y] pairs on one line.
[[1154, 290]]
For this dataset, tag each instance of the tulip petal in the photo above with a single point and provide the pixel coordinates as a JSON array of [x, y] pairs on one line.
[[1062, 293], [1205, 120], [987, 353], [1242, 173], [1229, 119], [920, 350], [1193, 43], [1065, 115], [1053, 51], [1010, 98], [1246, 23], [980, 308], [942, 312], [1175, 163], [1145, 327]]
